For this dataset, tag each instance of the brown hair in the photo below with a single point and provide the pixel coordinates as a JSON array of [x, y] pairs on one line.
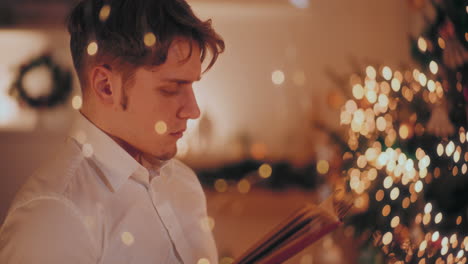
[[119, 34]]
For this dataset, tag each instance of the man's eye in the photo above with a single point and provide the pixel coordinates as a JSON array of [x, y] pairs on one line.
[[169, 92]]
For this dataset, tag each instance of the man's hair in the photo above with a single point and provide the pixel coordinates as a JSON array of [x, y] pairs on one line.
[[119, 34]]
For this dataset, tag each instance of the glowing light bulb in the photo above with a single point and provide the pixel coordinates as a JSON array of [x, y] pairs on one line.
[[422, 44], [387, 73], [92, 48], [278, 77], [149, 39], [387, 238], [433, 67]]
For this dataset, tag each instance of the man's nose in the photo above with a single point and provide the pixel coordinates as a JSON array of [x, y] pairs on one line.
[[190, 109]]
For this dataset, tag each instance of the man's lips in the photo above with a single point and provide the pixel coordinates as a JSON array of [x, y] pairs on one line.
[[178, 134]]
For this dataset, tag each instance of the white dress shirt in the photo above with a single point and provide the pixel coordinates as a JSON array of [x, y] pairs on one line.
[[94, 203]]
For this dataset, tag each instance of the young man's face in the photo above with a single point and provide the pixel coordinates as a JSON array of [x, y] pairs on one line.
[[160, 102]]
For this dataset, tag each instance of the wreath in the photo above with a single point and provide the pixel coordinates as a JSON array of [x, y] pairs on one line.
[[60, 84]]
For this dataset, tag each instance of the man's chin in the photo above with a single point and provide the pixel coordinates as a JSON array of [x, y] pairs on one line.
[[167, 155]]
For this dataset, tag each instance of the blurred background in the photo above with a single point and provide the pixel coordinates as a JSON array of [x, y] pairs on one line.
[[309, 96]]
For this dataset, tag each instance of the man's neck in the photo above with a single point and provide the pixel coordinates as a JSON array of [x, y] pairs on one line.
[[131, 150]]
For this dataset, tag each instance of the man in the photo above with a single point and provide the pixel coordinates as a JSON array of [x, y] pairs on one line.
[[114, 194]]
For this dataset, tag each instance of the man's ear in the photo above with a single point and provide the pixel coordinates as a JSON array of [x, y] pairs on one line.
[[102, 84]]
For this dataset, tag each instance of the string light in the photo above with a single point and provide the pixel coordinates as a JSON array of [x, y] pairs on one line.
[[77, 102], [92, 48], [104, 13], [277, 77], [422, 44], [369, 115], [149, 39]]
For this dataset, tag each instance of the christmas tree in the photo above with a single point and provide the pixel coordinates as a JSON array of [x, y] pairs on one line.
[[405, 157]]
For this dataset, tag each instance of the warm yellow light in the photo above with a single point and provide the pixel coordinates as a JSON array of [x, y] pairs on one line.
[[441, 43], [226, 260], [361, 161], [371, 154], [243, 186], [323, 166], [433, 67], [426, 219], [428, 208], [149, 39], [371, 96], [418, 186], [431, 86], [207, 223], [379, 195], [388, 182], [370, 71], [203, 261], [358, 91], [395, 221], [381, 123], [424, 162], [456, 156], [438, 218], [450, 148], [160, 127], [372, 174], [423, 245], [351, 106], [396, 85], [77, 102], [359, 117], [406, 202], [92, 48], [403, 131], [221, 185], [387, 238], [422, 79], [387, 73], [104, 13], [383, 100], [127, 238], [459, 220], [277, 77], [394, 193], [444, 251], [453, 239], [386, 210], [444, 242], [265, 170], [440, 149], [422, 44]]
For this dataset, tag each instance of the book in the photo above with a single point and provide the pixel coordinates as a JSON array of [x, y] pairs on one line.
[[305, 226]]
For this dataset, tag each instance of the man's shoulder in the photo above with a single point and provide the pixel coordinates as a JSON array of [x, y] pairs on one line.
[[54, 177]]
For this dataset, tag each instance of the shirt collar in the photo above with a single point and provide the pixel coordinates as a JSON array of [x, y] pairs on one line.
[[116, 164]]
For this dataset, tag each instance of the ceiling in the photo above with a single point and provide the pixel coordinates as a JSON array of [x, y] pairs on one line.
[[53, 12]]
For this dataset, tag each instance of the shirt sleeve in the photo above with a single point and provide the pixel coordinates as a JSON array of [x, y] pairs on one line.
[[46, 231]]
